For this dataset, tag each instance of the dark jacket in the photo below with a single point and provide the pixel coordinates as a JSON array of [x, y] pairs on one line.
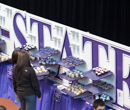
[[28, 83]]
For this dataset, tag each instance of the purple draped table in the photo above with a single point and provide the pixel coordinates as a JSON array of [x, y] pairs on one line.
[[47, 90]]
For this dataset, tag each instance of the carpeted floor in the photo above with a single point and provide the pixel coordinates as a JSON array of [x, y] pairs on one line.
[[8, 104]]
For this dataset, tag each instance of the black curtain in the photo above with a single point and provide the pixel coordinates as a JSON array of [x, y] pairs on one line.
[[106, 18]]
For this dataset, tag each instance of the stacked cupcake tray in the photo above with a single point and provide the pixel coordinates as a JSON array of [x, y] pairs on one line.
[[40, 78], [42, 74], [22, 49], [70, 62], [90, 99], [63, 75], [64, 64], [36, 63], [91, 74], [43, 53], [26, 47], [4, 59], [95, 89], [74, 95]]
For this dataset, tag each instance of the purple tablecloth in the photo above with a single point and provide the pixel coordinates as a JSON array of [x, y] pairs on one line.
[[47, 89]]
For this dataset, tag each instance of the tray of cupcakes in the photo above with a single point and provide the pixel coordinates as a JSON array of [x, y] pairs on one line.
[[46, 52], [72, 75], [4, 57], [97, 73], [75, 90], [90, 99], [70, 61], [26, 47], [98, 87], [47, 62], [41, 71]]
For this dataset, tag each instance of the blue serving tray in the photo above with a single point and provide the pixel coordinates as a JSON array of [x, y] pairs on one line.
[[42, 74], [90, 99], [4, 60], [72, 94], [95, 89], [36, 63], [63, 75], [91, 74], [39, 54], [39, 78], [66, 65], [18, 48]]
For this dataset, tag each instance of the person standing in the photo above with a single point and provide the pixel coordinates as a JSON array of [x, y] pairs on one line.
[[99, 105], [15, 57], [25, 82]]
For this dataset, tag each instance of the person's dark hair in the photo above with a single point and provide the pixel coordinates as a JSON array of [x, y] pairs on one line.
[[15, 56], [97, 103], [22, 62], [2, 107]]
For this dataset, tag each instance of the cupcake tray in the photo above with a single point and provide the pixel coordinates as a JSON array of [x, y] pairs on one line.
[[4, 60], [85, 94], [95, 89], [42, 74], [39, 54], [63, 75], [90, 99], [39, 78], [66, 65], [18, 48], [2, 41], [74, 95], [36, 63], [91, 74]]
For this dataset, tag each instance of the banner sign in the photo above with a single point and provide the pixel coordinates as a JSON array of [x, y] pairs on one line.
[[10, 72], [57, 95], [21, 27]]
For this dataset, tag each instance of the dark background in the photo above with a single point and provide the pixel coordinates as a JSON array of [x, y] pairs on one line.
[[106, 18]]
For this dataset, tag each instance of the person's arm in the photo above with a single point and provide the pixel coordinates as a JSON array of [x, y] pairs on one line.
[[35, 83], [14, 84]]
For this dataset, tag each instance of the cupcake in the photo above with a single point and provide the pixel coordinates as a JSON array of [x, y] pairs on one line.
[[107, 98], [67, 74], [73, 64], [40, 62], [2, 59], [45, 71], [63, 60], [81, 76], [77, 75], [9, 57], [36, 71], [70, 62], [72, 76], [69, 89], [20, 47], [67, 62]]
